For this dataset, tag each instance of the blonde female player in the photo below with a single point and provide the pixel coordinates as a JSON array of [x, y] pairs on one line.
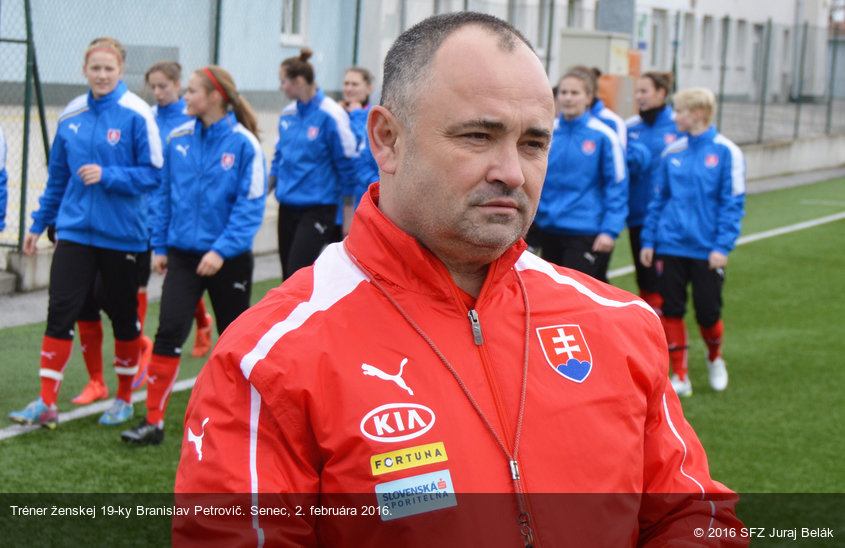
[[209, 208], [105, 158]]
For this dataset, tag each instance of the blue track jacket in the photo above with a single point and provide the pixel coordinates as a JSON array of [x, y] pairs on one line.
[[612, 120], [169, 117], [366, 164], [699, 197], [212, 190], [118, 132], [3, 178], [655, 138], [314, 160], [586, 188]]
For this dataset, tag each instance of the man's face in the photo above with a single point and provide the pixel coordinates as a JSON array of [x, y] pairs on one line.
[[471, 165]]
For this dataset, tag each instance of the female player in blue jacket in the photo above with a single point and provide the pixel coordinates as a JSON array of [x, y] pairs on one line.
[[208, 211], [357, 87], [165, 81], [105, 158], [649, 133], [585, 196], [692, 224], [313, 166]]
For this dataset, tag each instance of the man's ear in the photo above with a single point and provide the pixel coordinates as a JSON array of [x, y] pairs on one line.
[[383, 132]]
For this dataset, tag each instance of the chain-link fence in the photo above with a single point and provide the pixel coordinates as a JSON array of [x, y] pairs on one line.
[[773, 82], [59, 34]]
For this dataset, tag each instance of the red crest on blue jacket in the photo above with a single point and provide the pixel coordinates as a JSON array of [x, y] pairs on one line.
[[227, 161], [113, 136]]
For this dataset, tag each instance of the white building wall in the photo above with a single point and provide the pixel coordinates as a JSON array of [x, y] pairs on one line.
[[698, 30]]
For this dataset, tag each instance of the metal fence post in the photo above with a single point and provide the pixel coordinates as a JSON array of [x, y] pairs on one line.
[[801, 80], [27, 104], [765, 85], [675, 43], [357, 32], [726, 22], [550, 36], [215, 54], [832, 84]]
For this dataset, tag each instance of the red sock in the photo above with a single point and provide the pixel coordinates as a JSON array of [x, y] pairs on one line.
[[713, 338], [127, 355], [91, 340], [654, 300], [55, 353], [162, 377], [676, 337], [142, 308], [201, 315]]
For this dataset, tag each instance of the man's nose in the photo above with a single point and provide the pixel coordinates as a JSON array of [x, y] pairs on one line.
[[507, 167]]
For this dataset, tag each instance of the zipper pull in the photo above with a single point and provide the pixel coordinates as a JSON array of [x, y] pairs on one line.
[[526, 531], [476, 327], [514, 470]]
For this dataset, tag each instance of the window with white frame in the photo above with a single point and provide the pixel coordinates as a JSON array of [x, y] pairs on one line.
[[293, 22], [708, 42]]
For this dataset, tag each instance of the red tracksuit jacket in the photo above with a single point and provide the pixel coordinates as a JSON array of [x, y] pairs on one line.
[[326, 393]]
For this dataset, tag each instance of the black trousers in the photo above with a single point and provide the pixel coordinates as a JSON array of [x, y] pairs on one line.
[[230, 290], [574, 252], [673, 275], [646, 277], [303, 233], [73, 274]]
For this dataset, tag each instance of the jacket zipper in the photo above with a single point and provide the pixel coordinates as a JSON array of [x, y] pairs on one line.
[[516, 476], [91, 190]]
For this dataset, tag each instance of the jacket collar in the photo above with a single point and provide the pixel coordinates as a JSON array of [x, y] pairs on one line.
[[173, 109], [708, 135], [311, 104], [598, 106], [398, 260], [107, 100], [580, 121], [220, 127]]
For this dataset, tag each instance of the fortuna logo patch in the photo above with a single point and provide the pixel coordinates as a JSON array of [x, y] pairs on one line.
[[711, 160], [227, 161], [403, 459], [669, 138], [113, 136], [588, 147], [566, 351], [313, 131], [396, 422], [416, 495]]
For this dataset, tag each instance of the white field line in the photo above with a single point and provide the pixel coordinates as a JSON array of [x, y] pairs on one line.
[[755, 237], [93, 409], [186, 384]]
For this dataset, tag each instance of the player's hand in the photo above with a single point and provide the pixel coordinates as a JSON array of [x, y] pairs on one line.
[[646, 256], [30, 242], [90, 174], [717, 260], [603, 243], [209, 264], [160, 263]]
